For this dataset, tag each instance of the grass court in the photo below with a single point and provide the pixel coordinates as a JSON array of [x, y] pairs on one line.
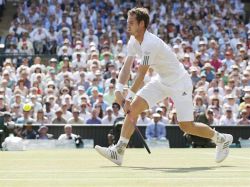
[[163, 168]]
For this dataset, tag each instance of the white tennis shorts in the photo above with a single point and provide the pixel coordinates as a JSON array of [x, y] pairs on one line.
[[181, 93]]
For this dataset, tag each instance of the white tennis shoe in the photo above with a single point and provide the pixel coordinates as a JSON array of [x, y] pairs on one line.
[[222, 147], [111, 153]]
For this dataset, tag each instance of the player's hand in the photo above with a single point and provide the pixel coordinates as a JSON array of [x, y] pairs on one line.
[[119, 98], [127, 107]]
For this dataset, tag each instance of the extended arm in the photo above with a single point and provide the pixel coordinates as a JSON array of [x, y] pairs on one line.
[[136, 86], [125, 71], [139, 78], [123, 79]]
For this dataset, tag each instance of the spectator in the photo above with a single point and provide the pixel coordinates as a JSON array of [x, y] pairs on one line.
[[216, 105], [43, 133], [243, 118], [38, 36], [28, 132], [94, 118], [48, 112], [163, 119], [216, 62], [207, 118], [156, 130], [194, 75], [36, 105], [59, 119], [10, 81], [16, 112], [84, 113], [109, 96], [208, 72], [68, 135], [110, 69], [94, 87], [120, 61], [40, 118], [173, 117], [94, 96], [75, 119], [111, 80], [143, 119], [199, 106], [231, 101], [215, 89], [82, 81], [246, 101], [227, 119], [79, 62], [101, 102], [228, 62], [66, 114], [109, 118], [3, 105], [203, 84], [116, 109], [77, 97], [21, 86], [99, 111]]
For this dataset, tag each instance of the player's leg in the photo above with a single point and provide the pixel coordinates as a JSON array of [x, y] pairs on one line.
[[186, 118], [222, 141], [197, 129], [115, 153], [138, 105], [144, 99]]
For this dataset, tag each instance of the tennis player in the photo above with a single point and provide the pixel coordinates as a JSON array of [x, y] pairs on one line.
[[172, 81]]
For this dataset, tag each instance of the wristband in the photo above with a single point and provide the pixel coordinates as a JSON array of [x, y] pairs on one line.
[[130, 96], [119, 87]]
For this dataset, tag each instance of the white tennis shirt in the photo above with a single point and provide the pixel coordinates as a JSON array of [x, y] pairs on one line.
[[159, 56]]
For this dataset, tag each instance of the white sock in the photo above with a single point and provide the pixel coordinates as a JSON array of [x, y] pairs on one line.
[[218, 137], [122, 144]]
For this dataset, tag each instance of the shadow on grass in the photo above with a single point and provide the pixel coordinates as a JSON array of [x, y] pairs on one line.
[[172, 170]]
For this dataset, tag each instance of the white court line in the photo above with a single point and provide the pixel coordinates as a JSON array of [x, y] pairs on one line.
[[42, 159], [120, 170], [242, 157], [86, 159], [230, 155]]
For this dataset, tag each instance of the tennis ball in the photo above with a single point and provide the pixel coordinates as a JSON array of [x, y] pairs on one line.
[[27, 107]]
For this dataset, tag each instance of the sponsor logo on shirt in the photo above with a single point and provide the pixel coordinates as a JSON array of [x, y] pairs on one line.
[[145, 60]]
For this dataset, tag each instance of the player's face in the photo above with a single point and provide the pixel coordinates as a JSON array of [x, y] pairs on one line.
[[132, 25]]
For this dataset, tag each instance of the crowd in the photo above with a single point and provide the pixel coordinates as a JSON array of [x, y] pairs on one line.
[[211, 38]]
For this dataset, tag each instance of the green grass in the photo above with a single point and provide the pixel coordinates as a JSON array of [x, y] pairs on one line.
[[164, 167]]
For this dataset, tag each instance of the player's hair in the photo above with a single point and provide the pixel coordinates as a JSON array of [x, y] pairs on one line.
[[141, 15]]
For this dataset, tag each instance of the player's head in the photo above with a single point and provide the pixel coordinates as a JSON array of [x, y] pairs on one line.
[[138, 20]]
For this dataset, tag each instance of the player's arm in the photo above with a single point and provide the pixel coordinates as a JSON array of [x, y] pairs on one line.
[[142, 70], [147, 59], [123, 79], [125, 71]]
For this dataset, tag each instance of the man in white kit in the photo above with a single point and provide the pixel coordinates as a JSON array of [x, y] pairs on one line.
[[172, 81]]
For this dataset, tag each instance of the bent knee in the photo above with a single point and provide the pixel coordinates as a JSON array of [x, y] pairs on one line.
[[186, 126], [133, 114]]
